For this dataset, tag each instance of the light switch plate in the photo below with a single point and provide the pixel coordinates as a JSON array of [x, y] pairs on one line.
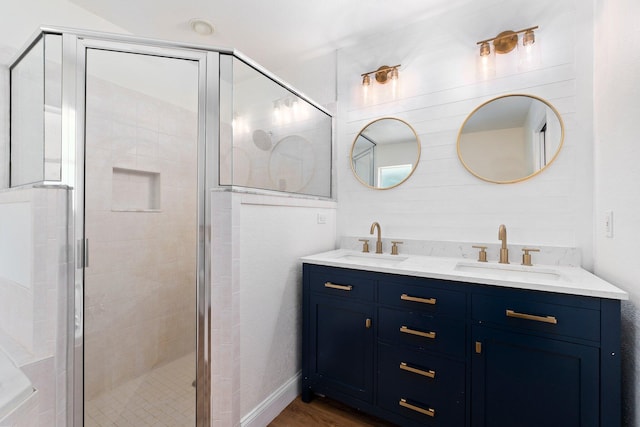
[[608, 223]]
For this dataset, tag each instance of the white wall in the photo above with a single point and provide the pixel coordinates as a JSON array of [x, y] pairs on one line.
[[315, 78], [617, 110], [511, 163], [256, 299], [16, 246], [437, 89], [5, 53], [20, 20], [274, 233]]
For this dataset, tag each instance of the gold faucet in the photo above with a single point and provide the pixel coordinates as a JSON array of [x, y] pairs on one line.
[[504, 252], [379, 241]]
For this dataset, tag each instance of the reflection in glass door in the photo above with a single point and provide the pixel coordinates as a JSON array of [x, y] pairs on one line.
[[141, 203]]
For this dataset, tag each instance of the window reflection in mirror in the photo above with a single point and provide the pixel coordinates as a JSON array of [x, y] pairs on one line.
[[510, 138], [385, 153]]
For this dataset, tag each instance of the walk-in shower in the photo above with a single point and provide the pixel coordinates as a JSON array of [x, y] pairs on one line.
[[136, 133]]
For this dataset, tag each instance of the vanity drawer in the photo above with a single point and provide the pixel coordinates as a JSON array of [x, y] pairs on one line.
[[422, 298], [578, 322], [422, 331], [341, 283], [432, 387]]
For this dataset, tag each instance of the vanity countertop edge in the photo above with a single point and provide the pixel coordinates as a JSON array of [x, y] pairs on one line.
[[575, 280]]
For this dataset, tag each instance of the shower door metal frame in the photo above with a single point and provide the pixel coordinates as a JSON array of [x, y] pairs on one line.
[[73, 104]]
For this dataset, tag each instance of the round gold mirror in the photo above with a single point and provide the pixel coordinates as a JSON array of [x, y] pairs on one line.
[[510, 138], [385, 153]]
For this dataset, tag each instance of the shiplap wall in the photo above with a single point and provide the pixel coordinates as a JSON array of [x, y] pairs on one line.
[[437, 89]]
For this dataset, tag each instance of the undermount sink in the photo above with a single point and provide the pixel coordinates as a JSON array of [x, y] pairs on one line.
[[372, 259], [509, 271]]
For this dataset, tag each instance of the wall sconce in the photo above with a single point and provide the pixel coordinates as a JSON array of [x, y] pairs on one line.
[[239, 124], [506, 42], [383, 75], [287, 110]]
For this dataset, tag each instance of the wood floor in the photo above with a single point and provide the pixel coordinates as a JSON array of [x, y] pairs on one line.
[[324, 412]]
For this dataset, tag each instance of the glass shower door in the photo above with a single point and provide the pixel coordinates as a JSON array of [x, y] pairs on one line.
[[141, 204]]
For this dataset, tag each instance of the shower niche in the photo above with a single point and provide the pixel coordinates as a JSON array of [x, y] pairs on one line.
[[139, 133], [135, 190]]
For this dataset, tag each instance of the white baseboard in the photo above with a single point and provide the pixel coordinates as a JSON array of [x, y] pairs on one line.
[[269, 408]]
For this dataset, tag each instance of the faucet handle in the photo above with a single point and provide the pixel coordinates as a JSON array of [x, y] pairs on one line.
[[394, 247], [482, 255], [526, 256], [365, 245]]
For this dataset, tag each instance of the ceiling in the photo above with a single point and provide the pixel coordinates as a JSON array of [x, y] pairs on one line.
[[274, 33]]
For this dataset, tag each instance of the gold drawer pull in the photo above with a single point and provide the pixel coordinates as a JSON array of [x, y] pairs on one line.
[[406, 297], [405, 330], [405, 367], [430, 412], [338, 287], [545, 319]]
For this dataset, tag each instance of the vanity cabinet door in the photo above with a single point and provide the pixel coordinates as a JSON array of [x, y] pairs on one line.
[[341, 347], [531, 381]]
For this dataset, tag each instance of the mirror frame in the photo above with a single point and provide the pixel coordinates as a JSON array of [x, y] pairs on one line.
[[512, 181], [415, 163]]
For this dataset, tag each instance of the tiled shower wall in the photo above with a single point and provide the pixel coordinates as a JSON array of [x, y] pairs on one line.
[[33, 314], [140, 293]]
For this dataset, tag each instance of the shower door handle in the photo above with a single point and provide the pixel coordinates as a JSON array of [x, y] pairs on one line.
[[83, 253]]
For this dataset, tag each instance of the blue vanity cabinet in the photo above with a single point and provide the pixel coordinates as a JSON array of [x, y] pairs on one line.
[[544, 359], [428, 352], [338, 341]]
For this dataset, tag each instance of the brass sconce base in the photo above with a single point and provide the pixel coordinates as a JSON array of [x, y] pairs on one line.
[[506, 41], [382, 74]]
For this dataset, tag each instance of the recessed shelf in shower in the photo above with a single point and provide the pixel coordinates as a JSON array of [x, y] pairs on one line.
[[135, 190]]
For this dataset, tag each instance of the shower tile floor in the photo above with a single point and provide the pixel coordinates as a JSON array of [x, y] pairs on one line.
[[164, 397]]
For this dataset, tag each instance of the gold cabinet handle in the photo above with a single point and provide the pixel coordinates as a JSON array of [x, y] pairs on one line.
[[405, 330], [430, 412], [367, 323], [338, 287], [429, 373], [544, 319], [406, 297]]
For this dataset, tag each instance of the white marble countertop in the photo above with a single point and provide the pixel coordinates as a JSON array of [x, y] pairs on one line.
[[547, 278]]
